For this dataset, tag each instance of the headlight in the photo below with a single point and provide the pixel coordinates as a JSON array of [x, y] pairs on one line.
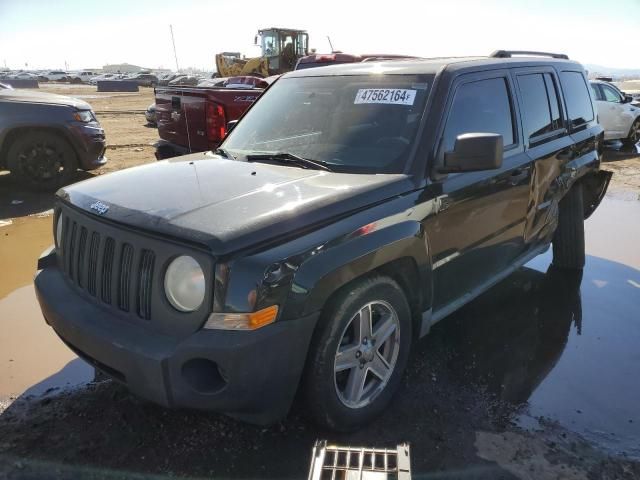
[[184, 284], [58, 232], [84, 116]]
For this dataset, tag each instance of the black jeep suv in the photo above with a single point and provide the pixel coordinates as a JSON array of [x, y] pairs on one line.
[[351, 208]]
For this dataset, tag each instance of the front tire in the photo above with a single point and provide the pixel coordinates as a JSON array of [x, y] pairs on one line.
[[568, 240], [634, 133], [42, 160], [359, 353]]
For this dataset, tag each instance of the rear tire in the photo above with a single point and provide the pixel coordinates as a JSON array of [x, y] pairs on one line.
[[353, 371], [568, 240], [42, 160]]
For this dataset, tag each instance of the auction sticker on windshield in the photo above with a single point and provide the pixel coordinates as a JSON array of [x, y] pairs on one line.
[[391, 96]]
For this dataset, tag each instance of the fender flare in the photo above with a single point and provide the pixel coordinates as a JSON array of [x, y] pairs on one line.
[[338, 264]]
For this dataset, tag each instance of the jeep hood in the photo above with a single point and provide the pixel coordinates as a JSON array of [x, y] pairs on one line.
[[24, 96], [228, 205]]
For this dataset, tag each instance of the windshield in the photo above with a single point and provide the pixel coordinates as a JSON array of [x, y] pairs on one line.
[[354, 124]]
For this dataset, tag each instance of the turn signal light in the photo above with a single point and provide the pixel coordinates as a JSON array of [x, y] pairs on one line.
[[242, 321]]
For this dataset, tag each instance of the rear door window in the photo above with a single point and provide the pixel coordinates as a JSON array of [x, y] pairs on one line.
[[535, 105], [482, 106], [576, 94], [540, 110]]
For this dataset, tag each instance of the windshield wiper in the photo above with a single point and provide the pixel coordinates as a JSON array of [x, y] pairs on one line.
[[224, 153], [285, 157]]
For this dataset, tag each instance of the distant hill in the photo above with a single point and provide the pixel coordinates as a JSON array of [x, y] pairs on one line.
[[612, 72]]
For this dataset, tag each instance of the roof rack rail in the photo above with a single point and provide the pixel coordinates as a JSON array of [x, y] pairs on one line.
[[511, 53]]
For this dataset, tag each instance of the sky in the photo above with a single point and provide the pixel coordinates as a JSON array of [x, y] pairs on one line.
[[42, 34]]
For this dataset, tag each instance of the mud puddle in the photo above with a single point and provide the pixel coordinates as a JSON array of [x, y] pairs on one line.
[[33, 361], [563, 347]]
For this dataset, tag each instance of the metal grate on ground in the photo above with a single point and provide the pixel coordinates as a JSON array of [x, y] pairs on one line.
[[334, 462]]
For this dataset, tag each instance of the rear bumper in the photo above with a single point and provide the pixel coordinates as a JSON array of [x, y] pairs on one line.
[[249, 375], [165, 149]]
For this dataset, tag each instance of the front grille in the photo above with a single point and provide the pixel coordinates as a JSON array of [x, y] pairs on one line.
[[145, 275], [119, 274], [107, 268], [93, 263], [124, 281]]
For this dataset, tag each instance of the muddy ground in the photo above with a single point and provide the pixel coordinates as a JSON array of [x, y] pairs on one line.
[[536, 379]]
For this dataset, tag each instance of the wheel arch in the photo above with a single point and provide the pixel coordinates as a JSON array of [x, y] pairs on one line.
[[14, 133], [399, 252], [594, 187]]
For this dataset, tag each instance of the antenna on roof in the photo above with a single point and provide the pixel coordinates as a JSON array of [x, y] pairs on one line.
[[180, 90], [330, 44], [173, 41]]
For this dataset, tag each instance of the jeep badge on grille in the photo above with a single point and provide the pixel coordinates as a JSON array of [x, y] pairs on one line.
[[99, 207]]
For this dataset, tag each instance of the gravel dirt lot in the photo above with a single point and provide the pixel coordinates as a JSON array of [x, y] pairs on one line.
[[467, 404]]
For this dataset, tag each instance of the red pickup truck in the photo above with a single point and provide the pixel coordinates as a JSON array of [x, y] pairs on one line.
[[194, 119]]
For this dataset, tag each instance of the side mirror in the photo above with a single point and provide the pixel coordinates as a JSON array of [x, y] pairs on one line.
[[473, 152], [627, 99], [231, 125], [255, 40]]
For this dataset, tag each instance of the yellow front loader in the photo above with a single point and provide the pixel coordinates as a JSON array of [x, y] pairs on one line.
[[281, 49]]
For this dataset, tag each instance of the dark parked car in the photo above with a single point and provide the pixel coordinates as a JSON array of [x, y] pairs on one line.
[[349, 210], [185, 80], [145, 79], [164, 80], [45, 138]]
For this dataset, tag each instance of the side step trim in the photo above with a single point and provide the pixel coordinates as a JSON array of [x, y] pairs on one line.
[[430, 318]]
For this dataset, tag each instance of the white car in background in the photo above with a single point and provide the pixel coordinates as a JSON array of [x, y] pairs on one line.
[[620, 119], [24, 76], [55, 75], [104, 76], [81, 77]]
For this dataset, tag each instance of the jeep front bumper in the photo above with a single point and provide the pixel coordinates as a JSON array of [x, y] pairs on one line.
[[250, 375]]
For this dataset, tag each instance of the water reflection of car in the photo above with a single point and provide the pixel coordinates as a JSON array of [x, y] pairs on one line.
[[150, 114], [528, 332], [620, 119]]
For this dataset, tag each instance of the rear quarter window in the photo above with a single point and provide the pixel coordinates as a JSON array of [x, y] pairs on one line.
[[576, 94]]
